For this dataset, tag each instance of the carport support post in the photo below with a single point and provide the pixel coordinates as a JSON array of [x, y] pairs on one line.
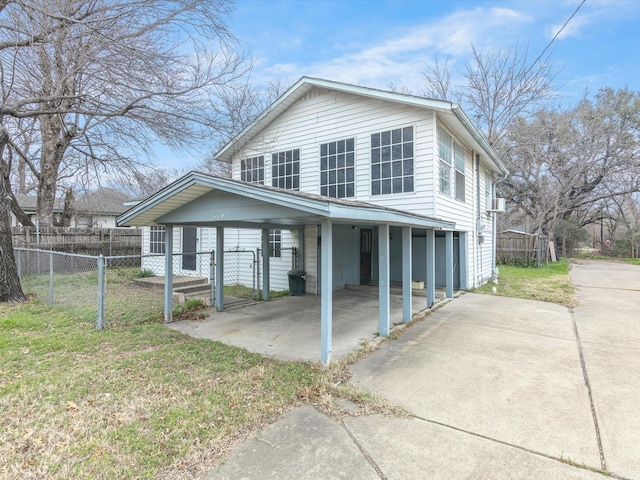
[[168, 274], [462, 246], [266, 253], [431, 267], [383, 280], [326, 292], [219, 268], [449, 263], [406, 274]]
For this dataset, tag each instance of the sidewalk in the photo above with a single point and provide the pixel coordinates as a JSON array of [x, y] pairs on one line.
[[496, 388]]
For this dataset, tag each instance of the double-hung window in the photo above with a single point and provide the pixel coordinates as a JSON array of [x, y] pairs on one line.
[[451, 157], [252, 170], [337, 168], [445, 153], [392, 161], [285, 169], [458, 161], [156, 240]]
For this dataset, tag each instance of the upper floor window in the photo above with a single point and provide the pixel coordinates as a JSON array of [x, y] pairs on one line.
[[392, 161], [285, 169], [156, 240], [451, 160], [337, 170], [488, 190], [252, 170], [458, 156]]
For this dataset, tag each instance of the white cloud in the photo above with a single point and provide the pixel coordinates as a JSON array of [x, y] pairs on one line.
[[401, 60]]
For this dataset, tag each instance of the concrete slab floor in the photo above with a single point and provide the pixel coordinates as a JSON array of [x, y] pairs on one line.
[[288, 328]]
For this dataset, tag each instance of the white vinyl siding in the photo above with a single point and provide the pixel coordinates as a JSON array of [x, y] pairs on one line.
[[328, 116]]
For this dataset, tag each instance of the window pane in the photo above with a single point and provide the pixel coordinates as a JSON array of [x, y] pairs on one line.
[[332, 191], [407, 168], [350, 145], [323, 178], [397, 185], [324, 191], [341, 176], [332, 162], [350, 174], [375, 140], [341, 160], [341, 191], [332, 177], [350, 159], [375, 155], [396, 136], [375, 187], [407, 134], [323, 163], [407, 150], [341, 145], [396, 152], [323, 150], [385, 138], [408, 184], [375, 172], [332, 148], [386, 154], [350, 190], [386, 187], [386, 170]]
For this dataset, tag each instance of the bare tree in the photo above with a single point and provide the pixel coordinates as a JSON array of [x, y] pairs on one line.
[[566, 165], [239, 104], [109, 80], [495, 87], [100, 80]]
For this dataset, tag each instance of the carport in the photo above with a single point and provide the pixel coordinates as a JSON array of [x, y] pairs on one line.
[[207, 201]]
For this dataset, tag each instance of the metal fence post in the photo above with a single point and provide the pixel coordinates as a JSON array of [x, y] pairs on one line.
[[100, 324], [50, 278], [19, 264], [212, 278]]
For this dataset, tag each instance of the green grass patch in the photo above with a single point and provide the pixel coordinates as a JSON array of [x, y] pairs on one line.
[[550, 283], [128, 403]]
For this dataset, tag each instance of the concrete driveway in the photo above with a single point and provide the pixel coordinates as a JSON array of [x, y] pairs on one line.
[[496, 388]]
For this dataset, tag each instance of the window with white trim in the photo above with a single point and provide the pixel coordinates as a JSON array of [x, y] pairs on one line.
[[156, 240], [275, 243], [444, 153], [285, 169], [451, 156], [488, 190], [252, 170], [392, 161], [458, 163], [337, 168]]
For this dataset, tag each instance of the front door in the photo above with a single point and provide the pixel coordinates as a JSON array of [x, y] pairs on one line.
[[366, 236], [189, 239]]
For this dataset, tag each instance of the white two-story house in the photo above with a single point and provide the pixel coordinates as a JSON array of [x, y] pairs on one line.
[[373, 187]]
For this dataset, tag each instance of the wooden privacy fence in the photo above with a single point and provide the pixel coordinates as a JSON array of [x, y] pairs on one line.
[[87, 241], [514, 248]]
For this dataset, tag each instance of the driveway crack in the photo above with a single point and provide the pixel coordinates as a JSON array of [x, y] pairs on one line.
[[364, 453], [583, 364]]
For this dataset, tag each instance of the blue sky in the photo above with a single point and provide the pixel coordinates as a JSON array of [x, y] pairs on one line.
[[380, 43]]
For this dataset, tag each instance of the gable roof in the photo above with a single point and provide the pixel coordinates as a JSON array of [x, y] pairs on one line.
[[453, 113], [283, 207]]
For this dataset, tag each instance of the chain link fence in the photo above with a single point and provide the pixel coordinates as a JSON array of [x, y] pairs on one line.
[[125, 290]]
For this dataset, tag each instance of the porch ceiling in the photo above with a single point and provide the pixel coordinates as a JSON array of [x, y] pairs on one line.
[[203, 200]]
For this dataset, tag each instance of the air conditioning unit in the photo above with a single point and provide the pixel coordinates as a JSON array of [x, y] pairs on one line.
[[497, 205]]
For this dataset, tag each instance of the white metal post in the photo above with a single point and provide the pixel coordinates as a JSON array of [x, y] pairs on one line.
[[326, 292], [406, 274], [168, 274], [383, 280]]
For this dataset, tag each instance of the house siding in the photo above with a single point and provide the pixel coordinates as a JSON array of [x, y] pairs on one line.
[[335, 116]]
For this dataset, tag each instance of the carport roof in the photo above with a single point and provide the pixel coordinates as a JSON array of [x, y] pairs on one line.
[[199, 199]]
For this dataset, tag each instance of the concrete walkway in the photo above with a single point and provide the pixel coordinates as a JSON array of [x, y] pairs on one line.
[[497, 388]]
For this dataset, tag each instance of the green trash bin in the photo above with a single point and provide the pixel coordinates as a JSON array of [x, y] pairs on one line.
[[297, 280]]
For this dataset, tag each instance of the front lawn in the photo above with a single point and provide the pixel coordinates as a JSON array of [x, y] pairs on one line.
[[550, 283], [139, 401]]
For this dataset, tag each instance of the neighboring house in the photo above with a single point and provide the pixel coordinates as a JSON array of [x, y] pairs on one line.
[[97, 209], [375, 187]]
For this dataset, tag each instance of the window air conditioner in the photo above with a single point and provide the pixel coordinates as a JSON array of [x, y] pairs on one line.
[[497, 205]]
